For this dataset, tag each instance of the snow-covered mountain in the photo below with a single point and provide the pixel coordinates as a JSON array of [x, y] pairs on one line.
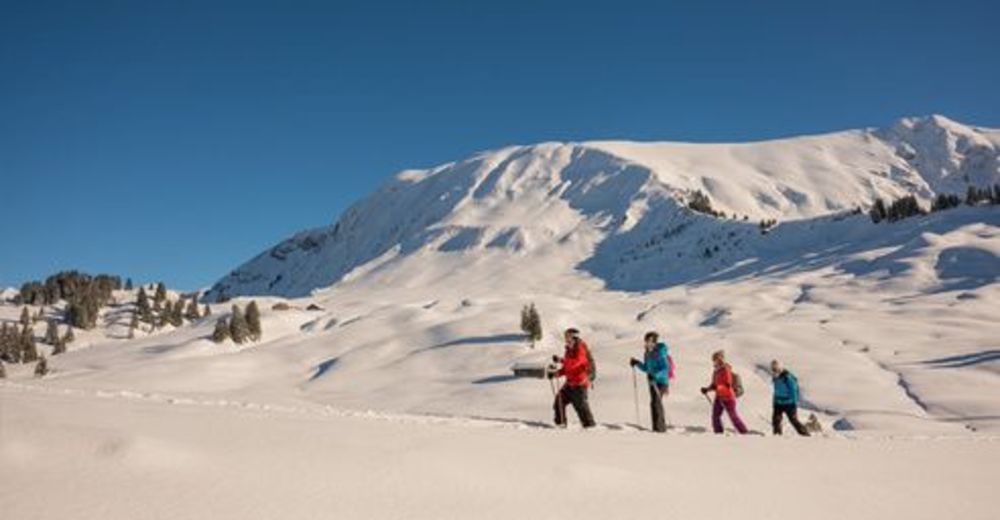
[[410, 302], [616, 210]]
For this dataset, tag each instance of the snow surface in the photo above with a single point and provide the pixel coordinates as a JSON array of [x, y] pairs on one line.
[[395, 399], [125, 456]]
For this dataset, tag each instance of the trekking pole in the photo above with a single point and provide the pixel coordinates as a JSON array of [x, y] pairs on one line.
[[635, 396]]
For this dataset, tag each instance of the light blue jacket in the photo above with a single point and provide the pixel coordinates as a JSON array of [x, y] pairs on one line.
[[786, 388], [655, 364]]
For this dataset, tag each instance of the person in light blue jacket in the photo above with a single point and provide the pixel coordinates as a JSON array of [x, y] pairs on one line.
[[786, 399], [656, 364]]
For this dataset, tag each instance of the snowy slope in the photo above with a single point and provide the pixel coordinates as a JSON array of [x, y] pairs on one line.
[[890, 327], [613, 209]]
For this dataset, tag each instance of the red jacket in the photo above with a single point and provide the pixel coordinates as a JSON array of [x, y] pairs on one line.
[[575, 366], [722, 382]]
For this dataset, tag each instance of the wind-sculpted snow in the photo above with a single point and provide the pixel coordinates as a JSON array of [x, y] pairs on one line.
[[617, 210]]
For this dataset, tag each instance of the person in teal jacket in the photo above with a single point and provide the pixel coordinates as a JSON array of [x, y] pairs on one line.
[[656, 364], [786, 399]]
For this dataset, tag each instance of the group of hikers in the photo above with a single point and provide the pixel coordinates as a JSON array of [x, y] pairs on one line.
[[578, 368]]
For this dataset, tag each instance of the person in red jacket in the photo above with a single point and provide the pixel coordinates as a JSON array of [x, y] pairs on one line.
[[725, 397], [575, 367]]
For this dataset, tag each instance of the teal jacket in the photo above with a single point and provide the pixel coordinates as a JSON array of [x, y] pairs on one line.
[[786, 388], [655, 364]]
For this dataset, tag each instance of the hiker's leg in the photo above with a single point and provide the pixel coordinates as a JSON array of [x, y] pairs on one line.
[[730, 405], [656, 407], [717, 415], [776, 419], [559, 407], [793, 417], [582, 406]]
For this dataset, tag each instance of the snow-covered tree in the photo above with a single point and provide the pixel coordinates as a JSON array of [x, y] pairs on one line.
[[161, 292], [531, 324], [253, 321], [239, 330], [192, 312], [221, 332], [42, 367], [29, 351], [142, 307], [51, 332]]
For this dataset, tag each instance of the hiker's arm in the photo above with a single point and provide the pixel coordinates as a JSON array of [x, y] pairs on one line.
[[573, 363]]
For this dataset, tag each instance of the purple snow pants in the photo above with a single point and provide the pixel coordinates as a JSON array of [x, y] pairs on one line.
[[729, 405]]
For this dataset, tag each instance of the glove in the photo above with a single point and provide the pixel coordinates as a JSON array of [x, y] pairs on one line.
[[704, 389], [550, 373], [556, 359], [634, 362]]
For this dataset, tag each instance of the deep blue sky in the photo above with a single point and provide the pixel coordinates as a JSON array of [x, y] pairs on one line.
[[173, 140]]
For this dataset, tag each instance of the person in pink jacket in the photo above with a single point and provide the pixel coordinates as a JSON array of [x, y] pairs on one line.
[[725, 396]]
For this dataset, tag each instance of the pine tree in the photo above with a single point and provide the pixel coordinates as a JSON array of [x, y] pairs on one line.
[[177, 313], [132, 325], [239, 331], [128, 284], [59, 347], [192, 313], [878, 212], [25, 316], [221, 332], [10, 346], [4, 342], [29, 351], [253, 321], [52, 333], [3, 371], [82, 313], [525, 323], [161, 293], [142, 306], [163, 317], [533, 325], [42, 367], [207, 311]]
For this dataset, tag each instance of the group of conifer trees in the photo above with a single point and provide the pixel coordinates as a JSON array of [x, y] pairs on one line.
[[240, 326], [84, 295], [159, 311], [908, 206], [18, 343]]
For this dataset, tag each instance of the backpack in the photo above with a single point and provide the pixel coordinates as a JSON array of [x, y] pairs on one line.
[[591, 366], [737, 385], [670, 367]]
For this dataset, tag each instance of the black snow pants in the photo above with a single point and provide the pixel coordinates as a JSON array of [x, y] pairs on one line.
[[576, 396], [791, 411]]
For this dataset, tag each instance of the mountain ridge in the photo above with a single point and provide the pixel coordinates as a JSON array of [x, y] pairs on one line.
[[587, 203]]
